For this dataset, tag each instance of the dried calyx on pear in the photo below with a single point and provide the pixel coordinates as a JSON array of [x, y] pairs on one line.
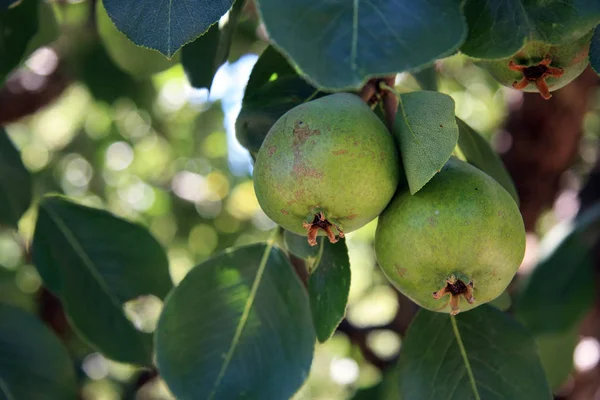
[[326, 167]]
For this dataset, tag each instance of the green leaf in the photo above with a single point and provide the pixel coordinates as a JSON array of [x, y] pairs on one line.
[[427, 78], [108, 83], [556, 354], [135, 60], [595, 50], [266, 105], [34, 364], [237, 326], [202, 58], [199, 58], [95, 262], [298, 246], [560, 290], [340, 45], [271, 62], [498, 28], [479, 153], [165, 26], [426, 129], [17, 26], [273, 88], [48, 29], [4, 4], [479, 354], [15, 183], [328, 287]]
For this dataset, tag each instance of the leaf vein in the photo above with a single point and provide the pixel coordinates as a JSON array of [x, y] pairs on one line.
[[463, 352], [244, 318]]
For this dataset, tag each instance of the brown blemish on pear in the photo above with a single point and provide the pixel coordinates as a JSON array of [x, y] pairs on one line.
[[323, 164], [339, 152]]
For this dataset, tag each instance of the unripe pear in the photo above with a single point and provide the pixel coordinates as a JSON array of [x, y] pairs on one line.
[[461, 237], [541, 67], [327, 166]]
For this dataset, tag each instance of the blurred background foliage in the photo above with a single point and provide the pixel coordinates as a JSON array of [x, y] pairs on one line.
[[150, 148]]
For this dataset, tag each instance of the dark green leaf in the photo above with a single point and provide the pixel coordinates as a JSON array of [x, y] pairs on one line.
[[298, 246], [560, 290], [328, 287], [202, 57], [48, 28], [426, 129], [479, 153], [479, 354], [237, 326], [138, 61], [264, 107], [15, 183], [107, 82], [4, 4], [595, 50], [556, 354], [95, 262], [339, 45], [427, 78], [199, 58], [34, 364], [17, 26], [266, 99], [167, 26], [498, 28], [270, 62]]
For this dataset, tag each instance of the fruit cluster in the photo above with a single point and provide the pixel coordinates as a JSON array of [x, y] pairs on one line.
[[330, 166]]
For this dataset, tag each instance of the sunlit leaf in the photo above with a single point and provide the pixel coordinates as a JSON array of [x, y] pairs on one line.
[[15, 183], [479, 153], [479, 354], [95, 262], [328, 287], [498, 28], [426, 129], [340, 44], [34, 364], [237, 326], [165, 26]]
